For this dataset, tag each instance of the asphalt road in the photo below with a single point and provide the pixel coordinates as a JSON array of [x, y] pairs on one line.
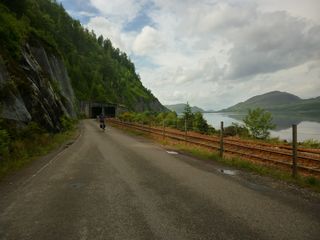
[[109, 185]]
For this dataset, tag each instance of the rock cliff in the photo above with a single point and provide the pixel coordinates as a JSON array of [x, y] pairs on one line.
[[35, 88], [153, 105]]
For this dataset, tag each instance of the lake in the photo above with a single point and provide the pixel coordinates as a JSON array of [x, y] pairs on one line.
[[308, 127]]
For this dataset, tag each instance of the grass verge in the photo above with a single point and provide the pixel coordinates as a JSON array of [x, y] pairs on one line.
[[24, 151], [309, 182], [238, 163]]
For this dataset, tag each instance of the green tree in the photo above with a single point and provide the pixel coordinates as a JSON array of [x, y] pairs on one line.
[[259, 122], [160, 118], [188, 117], [98, 71], [199, 123], [17, 6], [171, 119]]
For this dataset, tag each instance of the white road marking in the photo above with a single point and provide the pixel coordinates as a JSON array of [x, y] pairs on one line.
[[51, 161]]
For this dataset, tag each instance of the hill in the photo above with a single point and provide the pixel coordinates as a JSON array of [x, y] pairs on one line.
[[277, 101], [179, 108], [49, 63]]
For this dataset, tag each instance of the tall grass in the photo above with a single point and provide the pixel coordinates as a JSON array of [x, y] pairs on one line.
[[19, 147]]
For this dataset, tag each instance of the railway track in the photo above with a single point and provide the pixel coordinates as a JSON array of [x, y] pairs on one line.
[[264, 153]]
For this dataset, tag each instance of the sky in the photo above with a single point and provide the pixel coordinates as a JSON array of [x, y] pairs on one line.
[[212, 53]]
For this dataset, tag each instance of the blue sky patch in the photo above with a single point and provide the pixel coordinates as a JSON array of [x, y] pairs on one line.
[[80, 9], [141, 20]]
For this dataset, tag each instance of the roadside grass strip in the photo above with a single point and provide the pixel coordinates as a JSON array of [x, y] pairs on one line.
[[309, 182]]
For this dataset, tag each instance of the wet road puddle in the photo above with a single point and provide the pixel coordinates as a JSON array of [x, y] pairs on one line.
[[76, 185], [172, 152], [228, 172]]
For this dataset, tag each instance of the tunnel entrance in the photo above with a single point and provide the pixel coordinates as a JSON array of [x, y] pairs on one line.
[[96, 111], [110, 111]]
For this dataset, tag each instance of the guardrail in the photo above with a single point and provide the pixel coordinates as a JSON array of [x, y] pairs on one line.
[[307, 160]]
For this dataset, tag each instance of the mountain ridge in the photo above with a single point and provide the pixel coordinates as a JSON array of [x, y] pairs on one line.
[[277, 101], [179, 108]]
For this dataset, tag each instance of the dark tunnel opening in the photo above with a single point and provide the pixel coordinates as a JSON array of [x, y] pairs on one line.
[[96, 111], [110, 111]]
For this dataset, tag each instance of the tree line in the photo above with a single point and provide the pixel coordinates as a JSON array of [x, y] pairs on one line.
[[257, 123], [98, 71]]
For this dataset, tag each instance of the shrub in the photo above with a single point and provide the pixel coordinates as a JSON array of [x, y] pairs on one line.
[[171, 119], [240, 130], [312, 181], [230, 131], [32, 130], [310, 143], [126, 116], [259, 122], [212, 130], [67, 123], [4, 143], [199, 123]]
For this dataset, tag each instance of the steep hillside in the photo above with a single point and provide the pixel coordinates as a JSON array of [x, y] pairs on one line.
[[179, 108], [43, 49], [278, 102]]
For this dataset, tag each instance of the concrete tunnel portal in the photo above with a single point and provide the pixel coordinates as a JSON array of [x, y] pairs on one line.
[[108, 111], [94, 109]]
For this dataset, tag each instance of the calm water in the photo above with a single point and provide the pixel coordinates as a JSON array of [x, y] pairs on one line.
[[307, 128]]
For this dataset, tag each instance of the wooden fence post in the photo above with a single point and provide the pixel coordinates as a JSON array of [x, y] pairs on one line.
[[163, 129], [294, 151], [185, 128], [221, 140]]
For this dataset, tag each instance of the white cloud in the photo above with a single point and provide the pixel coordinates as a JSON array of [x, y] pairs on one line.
[[308, 9], [274, 41], [148, 41], [103, 26], [197, 49], [120, 10]]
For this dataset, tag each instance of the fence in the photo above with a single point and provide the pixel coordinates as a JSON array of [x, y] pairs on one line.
[[304, 161]]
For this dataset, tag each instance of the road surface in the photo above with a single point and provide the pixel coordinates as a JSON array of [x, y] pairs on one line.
[[109, 185]]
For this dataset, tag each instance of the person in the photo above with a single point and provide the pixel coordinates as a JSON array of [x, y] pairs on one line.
[[102, 121]]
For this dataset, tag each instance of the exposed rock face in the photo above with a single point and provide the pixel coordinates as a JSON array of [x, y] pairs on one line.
[[154, 106], [36, 89]]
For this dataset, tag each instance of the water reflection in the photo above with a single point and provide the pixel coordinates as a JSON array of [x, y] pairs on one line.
[[308, 126]]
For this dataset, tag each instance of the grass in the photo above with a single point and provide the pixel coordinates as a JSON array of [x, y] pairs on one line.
[[27, 150], [309, 182], [311, 143]]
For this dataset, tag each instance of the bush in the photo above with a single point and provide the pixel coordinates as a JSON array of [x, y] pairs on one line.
[[12, 31], [67, 123], [4, 143], [126, 117], [31, 131], [160, 118], [199, 123], [212, 130], [171, 119], [310, 143], [259, 122], [230, 131], [240, 130]]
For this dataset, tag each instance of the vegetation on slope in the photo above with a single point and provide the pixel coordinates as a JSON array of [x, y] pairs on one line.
[[19, 147], [179, 108], [98, 71]]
